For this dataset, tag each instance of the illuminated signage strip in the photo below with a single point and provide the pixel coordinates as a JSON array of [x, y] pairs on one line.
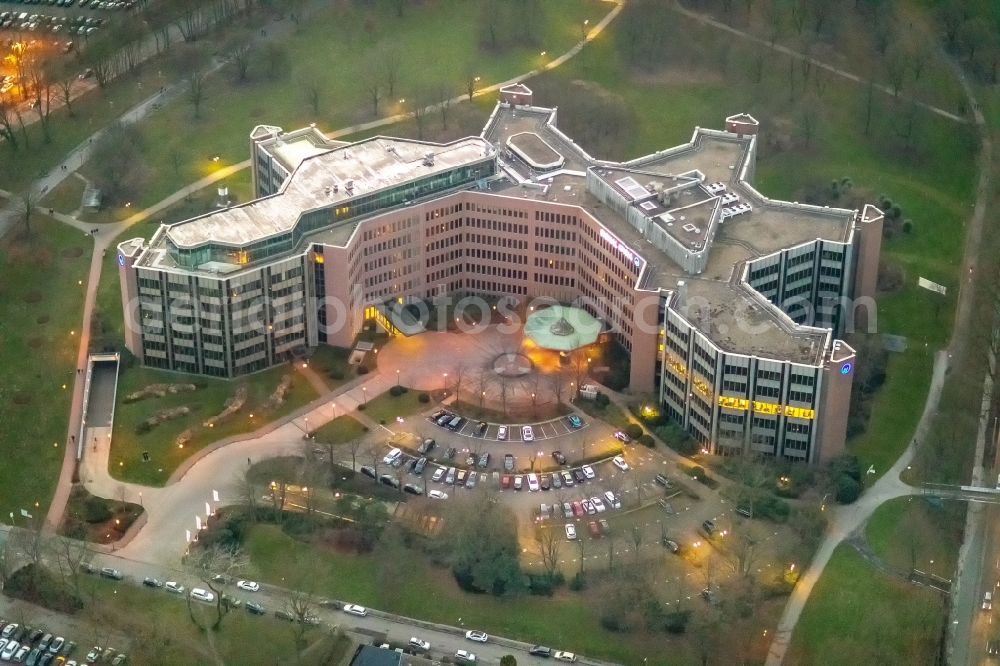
[[615, 243], [771, 408]]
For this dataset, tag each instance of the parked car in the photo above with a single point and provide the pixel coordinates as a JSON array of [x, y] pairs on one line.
[[588, 472], [470, 459], [419, 644], [564, 656], [574, 421], [545, 481], [484, 460], [577, 508], [709, 528], [436, 415], [471, 481], [354, 609], [283, 614], [557, 482], [540, 651], [502, 433], [9, 630], [445, 418], [598, 504], [745, 510], [255, 608], [460, 477], [478, 636], [368, 471], [663, 480], [151, 582], [605, 528], [595, 531], [113, 574], [171, 586], [533, 482], [120, 660], [426, 446], [46, 641], [619, 462], [391, 457], [248, 585], [437, 494], [508, 463], [527, 433], [450, 453], [567, 478], [518, 482], [559, 457], [419, 465], [588, 506], [438, 474], [579, 476], [505, 481], [613, 501], [389, 480], [481, 428], [94, 654], [456, 423], [200, 594], [449, 478], [413, 489], [567, 510], [464, 657], [622, 437], [570, 531], [9, 650]]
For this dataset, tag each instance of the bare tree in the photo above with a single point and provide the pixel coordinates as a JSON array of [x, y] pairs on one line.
[[312, 93], [26, 201], [636, 535], [248, 492], [8, 111], [196, 92], [460, 371], [373, 86], [742, 554], [443, 103], [895, 67], [557, 381], [353, 446], [240, 54], [390, 62], [69, 554], [214, 566], [549, 545], [276, 60]]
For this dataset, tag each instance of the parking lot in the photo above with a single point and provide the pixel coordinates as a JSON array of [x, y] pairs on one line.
[[543, 430]]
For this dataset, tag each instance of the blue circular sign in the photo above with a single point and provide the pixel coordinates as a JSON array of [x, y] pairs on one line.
[[846, 368], [121, 259]]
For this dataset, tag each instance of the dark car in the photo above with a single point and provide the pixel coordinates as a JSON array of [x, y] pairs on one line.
[[546, 481], [709, 527], [33, 635], [151, 582], [540, 651], [579, 476], [445, 418], [389, 480], [450, 453], [284, 615], [113, 574], [413, 489], [662, 480], [438, 414], [426, 446], [456, 423], [255, 608], [368, 471], [559, 457], [481, 428], [484, 460], [419, 465], [508, 463], [671, 545]]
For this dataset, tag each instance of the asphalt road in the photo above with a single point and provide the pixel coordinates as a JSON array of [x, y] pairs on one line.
[[982, 570]]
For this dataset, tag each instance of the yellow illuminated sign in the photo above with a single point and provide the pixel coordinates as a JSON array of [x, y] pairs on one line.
[[678, 367], [701, 386], [319, 259], [761, 407]]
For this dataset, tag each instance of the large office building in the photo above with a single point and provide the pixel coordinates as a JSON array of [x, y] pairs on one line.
[[729, 303]]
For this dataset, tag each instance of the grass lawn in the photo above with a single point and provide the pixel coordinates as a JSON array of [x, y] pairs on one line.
[[40, 312], [857, 615], [565, 621], [66, 197], [165, 455], [611, 413], [910, 533], [386, 407], [340, 430], [436, 45], [163, 633]]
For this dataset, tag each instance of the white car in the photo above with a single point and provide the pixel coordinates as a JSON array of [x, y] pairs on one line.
[[533, 482], [564, 656], [202, 595], [502, 433], [248, 585], [354, 609], [420, 644], [478, 636], [392, 456], [9, 650], [465, 657], [437, 494], [570, 531], [620, 463], [622, 437], [9, 629], [598, 504], [172, 586], [527, 433], [588, 472], [613, 502], [439, 473]]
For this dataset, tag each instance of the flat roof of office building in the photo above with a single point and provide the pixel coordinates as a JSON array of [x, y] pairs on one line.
[[325, 179]]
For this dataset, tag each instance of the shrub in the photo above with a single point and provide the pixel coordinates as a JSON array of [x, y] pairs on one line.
[[361, 407], [771, 508], [602, 400], [907, 226], [848, 489], [633, 430], [508, 660], [696, 472], [647, 440], [423, 398], [578, 583], [542, 585], [397, 391], [362, 369], [613, 621], [143, 428], [96, 510], [677, 439], [337, 374], [676, 622]]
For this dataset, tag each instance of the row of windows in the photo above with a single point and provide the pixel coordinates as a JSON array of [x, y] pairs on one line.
[[545, 216], [497, 271], [557, 280], [554, 264], [556, 234]]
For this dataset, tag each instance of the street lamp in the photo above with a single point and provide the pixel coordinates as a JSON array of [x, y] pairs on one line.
[[364, 392], [583, 30], [397, 377]]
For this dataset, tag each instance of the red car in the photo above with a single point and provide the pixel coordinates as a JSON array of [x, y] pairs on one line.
[[578, 509], [505, 481]]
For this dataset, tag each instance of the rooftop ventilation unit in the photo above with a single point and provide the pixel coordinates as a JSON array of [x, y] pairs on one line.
[[429, 159], [349, 186]]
